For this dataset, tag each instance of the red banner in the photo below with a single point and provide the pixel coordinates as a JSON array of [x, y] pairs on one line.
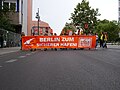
[[37, 42]]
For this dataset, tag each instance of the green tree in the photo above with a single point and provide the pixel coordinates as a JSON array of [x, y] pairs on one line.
[[84, 16], [69, 26], [111, 27]]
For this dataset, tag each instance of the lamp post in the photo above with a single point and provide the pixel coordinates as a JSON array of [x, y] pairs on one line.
[[38, 17]]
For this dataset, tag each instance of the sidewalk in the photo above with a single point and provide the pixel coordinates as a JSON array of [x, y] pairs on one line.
[[114, 47], [9, 50]]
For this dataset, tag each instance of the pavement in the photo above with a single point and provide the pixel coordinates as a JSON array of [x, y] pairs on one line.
[[15, 49], [61, 70], [9, 50], [114, 46]]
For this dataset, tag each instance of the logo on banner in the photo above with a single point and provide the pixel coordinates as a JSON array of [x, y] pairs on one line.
[[85, 42], [29, 42]]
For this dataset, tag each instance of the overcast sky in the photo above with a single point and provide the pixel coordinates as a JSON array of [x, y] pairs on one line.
[[57, 12]]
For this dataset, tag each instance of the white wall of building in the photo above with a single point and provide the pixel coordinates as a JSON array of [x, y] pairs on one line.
[[24, 16], [20, 12], [119, 13]]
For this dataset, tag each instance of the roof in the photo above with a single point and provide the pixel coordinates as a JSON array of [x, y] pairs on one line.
[[41, 24]]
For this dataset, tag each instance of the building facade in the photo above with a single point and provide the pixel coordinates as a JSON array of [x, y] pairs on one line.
[[22, 16], [44, 28], [25, 15], [119, 10], [20, 13]]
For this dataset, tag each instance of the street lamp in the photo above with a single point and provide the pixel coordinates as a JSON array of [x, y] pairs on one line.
[[38, 17]]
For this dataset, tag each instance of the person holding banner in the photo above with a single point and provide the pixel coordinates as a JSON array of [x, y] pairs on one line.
[[105, 40], [101, 39], [80, 32], [96, 40], [55, 35], [46, 34], [22, 34], [66, 34], [74, 34], [70, 33]]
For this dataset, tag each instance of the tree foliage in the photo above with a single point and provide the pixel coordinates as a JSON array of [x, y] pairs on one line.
[[111, 27], [84, 14], [69, 26]]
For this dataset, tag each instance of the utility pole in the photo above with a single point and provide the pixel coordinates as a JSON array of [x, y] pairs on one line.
[[38, 17]]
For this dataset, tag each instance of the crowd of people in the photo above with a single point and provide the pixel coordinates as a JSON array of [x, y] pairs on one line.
[[101, 39]]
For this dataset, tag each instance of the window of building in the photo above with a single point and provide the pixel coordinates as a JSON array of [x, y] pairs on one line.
[[13, 6], [6, 6]]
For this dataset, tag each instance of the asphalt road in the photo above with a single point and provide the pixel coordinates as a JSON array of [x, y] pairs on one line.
[[61, 70]]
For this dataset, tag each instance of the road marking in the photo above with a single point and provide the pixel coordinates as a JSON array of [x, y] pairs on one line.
[[1, 66], [22, 56], [28, 54], [32, 52], [12, 60]]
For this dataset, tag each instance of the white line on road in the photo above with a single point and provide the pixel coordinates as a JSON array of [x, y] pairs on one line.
[[32, 52], [1, 66], [22, 56], [28, 54], [12, 60]]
